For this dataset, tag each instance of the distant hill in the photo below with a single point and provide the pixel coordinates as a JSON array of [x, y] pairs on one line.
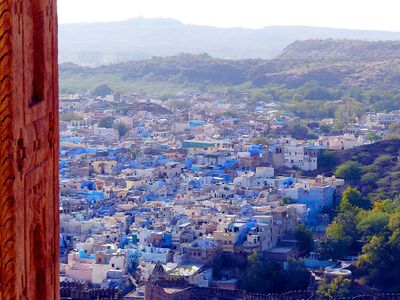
[[140, 38], [344, 64], [336, 63], [341, 50]]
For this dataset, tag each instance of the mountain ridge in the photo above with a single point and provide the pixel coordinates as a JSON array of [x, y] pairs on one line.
[[140, 38]]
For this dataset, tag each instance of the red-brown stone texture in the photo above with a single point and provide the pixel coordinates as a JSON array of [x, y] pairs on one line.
[[28, 150]]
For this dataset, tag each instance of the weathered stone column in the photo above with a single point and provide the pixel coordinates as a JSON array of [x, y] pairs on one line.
[[29, 221]]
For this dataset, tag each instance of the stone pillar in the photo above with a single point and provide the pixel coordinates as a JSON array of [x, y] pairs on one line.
[[29, 210]]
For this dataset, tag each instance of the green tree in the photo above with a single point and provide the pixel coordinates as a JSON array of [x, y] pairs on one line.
[[217, 269], [373, 136], [106, 122], [350, 171], [69, 116], [375, 262], [333, 248], [305, 237], [348, 222], [325, 128], [394, 221], [287, 200], [372, 223], [382, 161], [337, 288], [336, 243], [122, 129], [326, 161], [262, 276], [297, 277], [341, 235], [298, 130], [102, 91], [352, 196], [370, 178], [254, 258]]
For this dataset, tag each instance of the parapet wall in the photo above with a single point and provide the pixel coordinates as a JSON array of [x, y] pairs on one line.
[[157, 292], [82, 291]]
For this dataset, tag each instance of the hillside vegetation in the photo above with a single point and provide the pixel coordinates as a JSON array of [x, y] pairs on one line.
[[315, 70], [374, 169], [367, 221]]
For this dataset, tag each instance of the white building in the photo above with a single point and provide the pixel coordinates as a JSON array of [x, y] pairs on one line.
[[341, 142], [108, 134], [295, 157]]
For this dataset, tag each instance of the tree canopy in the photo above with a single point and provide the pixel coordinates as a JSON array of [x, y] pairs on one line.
[[337, 288], [107, 122], [305, 236], [350, 171], [260, 276], [102, 91]]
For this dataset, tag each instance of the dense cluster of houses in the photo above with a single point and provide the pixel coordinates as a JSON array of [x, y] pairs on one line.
[[182, 186]]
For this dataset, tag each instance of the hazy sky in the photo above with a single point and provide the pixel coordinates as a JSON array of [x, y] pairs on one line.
[[357, 14]]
